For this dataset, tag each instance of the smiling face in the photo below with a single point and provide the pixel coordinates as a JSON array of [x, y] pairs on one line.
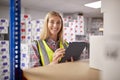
[[54, 25]]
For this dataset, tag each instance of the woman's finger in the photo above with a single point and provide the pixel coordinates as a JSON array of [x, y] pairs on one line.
[[58, 56], [60, 49], [72, 59]]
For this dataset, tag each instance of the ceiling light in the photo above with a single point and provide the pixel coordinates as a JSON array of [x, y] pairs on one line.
[[96, 4]]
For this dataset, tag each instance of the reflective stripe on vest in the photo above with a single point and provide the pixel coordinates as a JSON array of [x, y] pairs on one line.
[[46, 54]]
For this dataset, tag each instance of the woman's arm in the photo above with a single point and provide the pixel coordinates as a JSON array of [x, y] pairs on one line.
[[34, 56]]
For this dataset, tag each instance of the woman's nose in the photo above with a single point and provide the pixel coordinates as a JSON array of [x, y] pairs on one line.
[[55, 24]]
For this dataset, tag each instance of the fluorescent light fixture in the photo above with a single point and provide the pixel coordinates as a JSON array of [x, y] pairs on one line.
[[101, 29], [96, 4]]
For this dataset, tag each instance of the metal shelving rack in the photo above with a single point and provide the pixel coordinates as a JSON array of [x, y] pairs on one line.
[[14, 38]]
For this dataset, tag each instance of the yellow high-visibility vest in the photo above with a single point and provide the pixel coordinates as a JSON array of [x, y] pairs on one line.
[[46, 54]]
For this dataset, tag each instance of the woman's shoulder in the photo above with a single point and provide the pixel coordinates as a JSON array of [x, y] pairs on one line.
[[35, 42], [65, 42]]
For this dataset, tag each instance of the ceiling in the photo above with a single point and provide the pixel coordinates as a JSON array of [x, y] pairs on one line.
[[64, 6]]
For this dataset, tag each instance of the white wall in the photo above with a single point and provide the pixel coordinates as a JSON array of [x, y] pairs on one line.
[[4, 12], [35, 14]]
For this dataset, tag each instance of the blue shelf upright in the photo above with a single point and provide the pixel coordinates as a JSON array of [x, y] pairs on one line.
[[14, 38]]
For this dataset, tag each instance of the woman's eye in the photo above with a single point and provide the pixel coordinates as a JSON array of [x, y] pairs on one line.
[[58, 22], [52, 22]]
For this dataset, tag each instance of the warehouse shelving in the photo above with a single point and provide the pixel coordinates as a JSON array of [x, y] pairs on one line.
[[14, 38]]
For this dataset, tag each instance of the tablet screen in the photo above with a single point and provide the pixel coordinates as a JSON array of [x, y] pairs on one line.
[[74, 50]]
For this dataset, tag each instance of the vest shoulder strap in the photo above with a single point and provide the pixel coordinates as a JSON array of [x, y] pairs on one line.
[[65, 45], [44, 52], [37, 53]]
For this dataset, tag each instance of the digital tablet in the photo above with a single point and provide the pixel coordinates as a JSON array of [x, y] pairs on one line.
[[74, 50]]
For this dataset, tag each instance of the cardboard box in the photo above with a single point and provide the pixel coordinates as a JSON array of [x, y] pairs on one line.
[[64, 71]]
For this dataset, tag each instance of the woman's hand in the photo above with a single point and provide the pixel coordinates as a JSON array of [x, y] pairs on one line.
[[71, 60], [58, 55]]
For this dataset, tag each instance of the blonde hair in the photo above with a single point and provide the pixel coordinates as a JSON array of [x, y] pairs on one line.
[[45, 31]]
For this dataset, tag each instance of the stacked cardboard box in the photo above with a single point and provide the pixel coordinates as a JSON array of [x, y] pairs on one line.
[[72, 27], [30, 31], [4, 51]]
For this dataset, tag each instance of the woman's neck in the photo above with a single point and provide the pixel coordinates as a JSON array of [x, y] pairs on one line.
[[54, 38]]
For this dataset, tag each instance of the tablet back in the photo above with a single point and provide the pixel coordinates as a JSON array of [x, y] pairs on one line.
[[74, 50]]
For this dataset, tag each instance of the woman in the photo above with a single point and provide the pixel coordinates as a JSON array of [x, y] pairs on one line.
[[51, 47]]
